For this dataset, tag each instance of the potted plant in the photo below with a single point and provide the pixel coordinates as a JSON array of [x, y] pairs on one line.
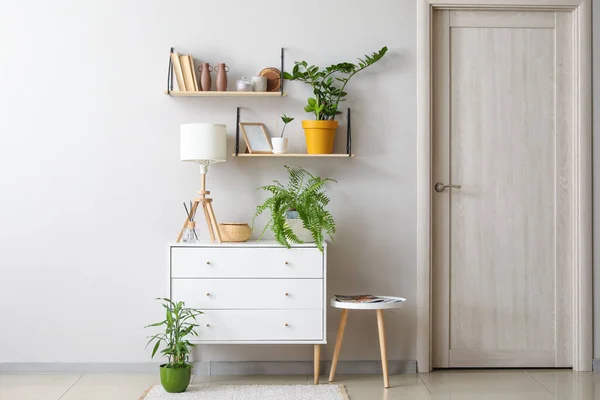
[[297, 211], [178, 324], [280, 143], [329, 87]]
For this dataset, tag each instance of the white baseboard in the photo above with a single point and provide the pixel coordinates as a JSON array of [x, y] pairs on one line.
[[79, 368], [306, 367], [215, 367]]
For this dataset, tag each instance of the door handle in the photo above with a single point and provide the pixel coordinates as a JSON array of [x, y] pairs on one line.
[[440, 187]]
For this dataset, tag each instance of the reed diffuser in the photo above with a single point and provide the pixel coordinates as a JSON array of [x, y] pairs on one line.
[[189, 233]]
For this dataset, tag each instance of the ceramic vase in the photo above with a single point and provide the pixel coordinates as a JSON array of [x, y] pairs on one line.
[[205, 79], [222, 70]]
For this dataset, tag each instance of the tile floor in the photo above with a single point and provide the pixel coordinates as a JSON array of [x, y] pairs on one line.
[[449, 385]]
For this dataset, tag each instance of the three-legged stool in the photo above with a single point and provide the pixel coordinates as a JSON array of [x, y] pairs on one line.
[[379, 307]]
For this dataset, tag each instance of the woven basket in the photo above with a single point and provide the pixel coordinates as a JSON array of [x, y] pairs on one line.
[[235, 232]]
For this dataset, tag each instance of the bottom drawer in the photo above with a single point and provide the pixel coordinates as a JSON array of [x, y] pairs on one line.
[[260, 325]]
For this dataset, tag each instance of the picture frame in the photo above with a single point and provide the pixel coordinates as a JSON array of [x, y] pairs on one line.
[[256, 137]]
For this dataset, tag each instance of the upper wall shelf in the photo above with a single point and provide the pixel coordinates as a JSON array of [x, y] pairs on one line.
[[177, 93]]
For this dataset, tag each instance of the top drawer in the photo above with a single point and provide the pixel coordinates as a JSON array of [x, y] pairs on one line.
[[248, 262]]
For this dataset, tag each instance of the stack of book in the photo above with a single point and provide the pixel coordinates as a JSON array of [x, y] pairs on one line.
[[185, 72]]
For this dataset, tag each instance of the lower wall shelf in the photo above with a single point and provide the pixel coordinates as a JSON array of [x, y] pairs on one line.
[[347, 154], [294, 155]]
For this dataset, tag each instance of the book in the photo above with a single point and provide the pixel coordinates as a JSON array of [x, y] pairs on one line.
[[187, 73], [178, 71], [196, 86]]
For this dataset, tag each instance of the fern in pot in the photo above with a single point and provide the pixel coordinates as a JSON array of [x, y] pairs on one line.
[[298, 211], [178, 326]]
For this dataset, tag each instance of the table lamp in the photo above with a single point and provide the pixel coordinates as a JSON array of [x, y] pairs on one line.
[[204, 144]]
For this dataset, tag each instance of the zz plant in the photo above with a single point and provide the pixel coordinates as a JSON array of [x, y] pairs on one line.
[[329, 84], [178, 327], [304, 194]]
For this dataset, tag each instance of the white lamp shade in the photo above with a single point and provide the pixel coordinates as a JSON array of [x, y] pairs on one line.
[[203, 142]]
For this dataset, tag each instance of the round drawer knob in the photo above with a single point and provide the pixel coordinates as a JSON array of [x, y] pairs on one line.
[[286, 324], [286, 263], [208, 263], [287, 294], [208, 325], [208, 294]]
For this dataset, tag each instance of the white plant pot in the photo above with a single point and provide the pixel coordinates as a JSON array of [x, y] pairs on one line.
[[279, 145], [300, 231]]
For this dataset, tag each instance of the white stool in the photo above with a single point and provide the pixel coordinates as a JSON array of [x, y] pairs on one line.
[[364, 306]]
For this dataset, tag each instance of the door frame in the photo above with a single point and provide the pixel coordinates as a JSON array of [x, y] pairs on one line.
[[582, 163]]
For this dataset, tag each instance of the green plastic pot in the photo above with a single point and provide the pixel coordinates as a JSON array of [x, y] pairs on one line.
[[175, 380]]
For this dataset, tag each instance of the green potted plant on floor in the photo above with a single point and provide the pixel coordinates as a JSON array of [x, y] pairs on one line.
[[179, 326], [329, 87], [297, 211]]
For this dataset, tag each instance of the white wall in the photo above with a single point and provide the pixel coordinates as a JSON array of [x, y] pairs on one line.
[[91, 185]]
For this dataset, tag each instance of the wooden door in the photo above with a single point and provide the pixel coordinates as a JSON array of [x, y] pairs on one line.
[[502, 244]]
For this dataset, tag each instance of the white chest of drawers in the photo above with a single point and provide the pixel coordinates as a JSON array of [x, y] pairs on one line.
[[253, 292]]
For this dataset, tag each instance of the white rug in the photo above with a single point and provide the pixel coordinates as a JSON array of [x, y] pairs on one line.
[[251, 392]]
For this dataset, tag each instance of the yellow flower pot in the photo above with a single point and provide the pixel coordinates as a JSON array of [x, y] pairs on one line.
[[320, 136]]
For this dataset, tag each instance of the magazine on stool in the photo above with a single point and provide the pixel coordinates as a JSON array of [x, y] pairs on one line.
[[365, 298]]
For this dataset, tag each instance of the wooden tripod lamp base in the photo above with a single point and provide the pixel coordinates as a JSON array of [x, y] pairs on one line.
[[205, 144], [209, 213]]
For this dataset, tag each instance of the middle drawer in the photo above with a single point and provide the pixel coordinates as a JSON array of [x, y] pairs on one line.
[[246, 294]]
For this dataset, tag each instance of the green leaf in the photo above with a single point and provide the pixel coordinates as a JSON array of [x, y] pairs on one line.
[[156, 324], [312, 102], [155, 349], [286, 75], [286, 119]]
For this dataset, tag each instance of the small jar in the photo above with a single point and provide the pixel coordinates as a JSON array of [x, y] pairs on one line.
[[244, 85], [259, 83], [189, 234]]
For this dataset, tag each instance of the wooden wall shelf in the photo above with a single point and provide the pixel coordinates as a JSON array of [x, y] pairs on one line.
[[348, 143], [177, 93], [294, 155]]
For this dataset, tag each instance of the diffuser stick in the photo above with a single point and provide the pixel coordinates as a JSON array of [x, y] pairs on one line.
[[190, 216]]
